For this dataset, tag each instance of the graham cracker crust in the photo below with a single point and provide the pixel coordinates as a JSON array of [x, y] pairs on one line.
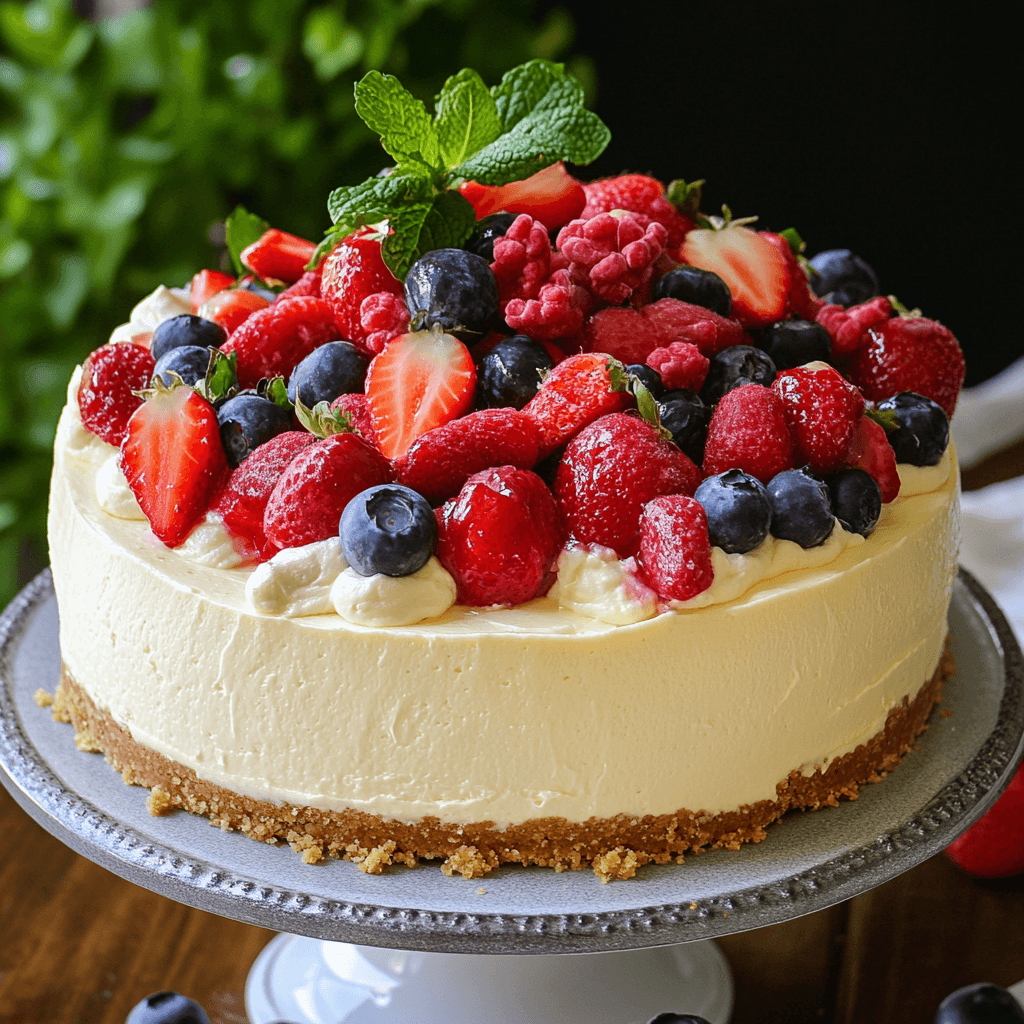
[[613, 847]]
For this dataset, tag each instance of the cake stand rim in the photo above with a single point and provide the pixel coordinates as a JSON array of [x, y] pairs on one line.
[[116, 846]]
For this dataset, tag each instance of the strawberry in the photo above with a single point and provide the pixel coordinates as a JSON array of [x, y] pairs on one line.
[[308, 284], [551, 196], [801, 300], [680, 365], [748, 431], [609, 472], [909, 353], [106, 394], [420, 381], [307, 501], [440, 461], [641, 195], [276, 339], [173, 459], [871, 451], [755, 270], [206, 284], [675, 550], [620, 332], [231, 308], [242, 501], [848, 327], [576, 392], [357, 408], [499, 538], [278, 256], [822, 412], [993, 847]]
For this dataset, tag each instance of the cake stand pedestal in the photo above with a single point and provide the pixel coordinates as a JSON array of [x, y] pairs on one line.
[[809, 861]]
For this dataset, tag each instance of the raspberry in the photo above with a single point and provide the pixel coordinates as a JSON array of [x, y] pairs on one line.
[[682, 321], [307, 285], [358, 409], [557, 312], [848, 327], [612, 256], [522, 260], [748, 431], [641, 195], [680, 365], [105, 395], [621, 332], [871, 451], [383, 317], [675, 550]]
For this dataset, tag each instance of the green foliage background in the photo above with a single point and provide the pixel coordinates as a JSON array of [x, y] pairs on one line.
[[124, 144]]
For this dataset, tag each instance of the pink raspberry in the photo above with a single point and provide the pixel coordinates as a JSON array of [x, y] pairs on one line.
[[848, 327], [680, 365], [675, 549], [383, 317], [557, 312], [682, 321], [523, 260], [621, 332]]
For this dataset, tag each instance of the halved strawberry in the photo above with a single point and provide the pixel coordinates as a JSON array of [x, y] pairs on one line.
[[206, 284], [871, 451], [420, 381], [278, 256], [173, 459], [551, 196], [231, 308], [755, 270]]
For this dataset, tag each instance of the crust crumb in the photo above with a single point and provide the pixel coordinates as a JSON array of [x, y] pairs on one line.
[[469, 862], [87, 743], [159, 802], [374, 862], [301, 842], [61, 708], [619, 863], [42, 698]]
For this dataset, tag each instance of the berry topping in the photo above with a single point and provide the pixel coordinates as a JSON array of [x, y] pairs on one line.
[[648, 376], [921, 434], [800, 300], [307, 285], [680, 365], [420, 381], [675, 551], [232, 308], [856, 500], [641, 195], [551, 196], [106, 393], [453, 289], [206, 284], [993, 847], [487, 232], [623, 333], [748, 431], [333, 369], [357, 409], [980, 1003], [739, 513], [173, 460], [509, 375], [609, 472], [383, 317], [521, 260], [440, 461], [682, 321], [872, 452], [790, 343], [186, 330], [801, 508], [311, 494], [685, 417], [557, 312], [167, 1008], [274, 340], [256, 286], [842, 278], [189, 362], [500, 536], [732, 368], [247, 421], [697, 287], [848, 327], [278, 256], [388, 529]]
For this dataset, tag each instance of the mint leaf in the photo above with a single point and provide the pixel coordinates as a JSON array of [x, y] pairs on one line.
[[466, 119], [405, 128], [522, 88], [242, 229], [443, 222], [685, 197]]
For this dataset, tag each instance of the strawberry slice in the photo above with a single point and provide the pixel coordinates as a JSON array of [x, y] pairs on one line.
[[278, 256], [755, 270], [551, 196], [420, 381], [231, 308], [206, 284], [871, 451], [173, 459]]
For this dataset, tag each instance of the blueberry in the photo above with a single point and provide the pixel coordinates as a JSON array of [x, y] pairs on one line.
[[734, 366], [510, 374], [333, 369], [167, 1008], [648, 376], [257, 289], [801, 507], [792, 343], [922, 431], [739, 513], [696, 286], [856, 500], [843, 278], [452, 288], [686, 418], [246, 422], [189, 362], [678, 1018], [388, 529], [980, 1003], [487, 232], [186, 330]]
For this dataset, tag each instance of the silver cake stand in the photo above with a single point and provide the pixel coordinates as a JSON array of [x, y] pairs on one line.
[[363, 949]]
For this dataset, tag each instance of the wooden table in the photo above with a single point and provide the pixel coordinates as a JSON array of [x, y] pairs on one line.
[[79, 945]]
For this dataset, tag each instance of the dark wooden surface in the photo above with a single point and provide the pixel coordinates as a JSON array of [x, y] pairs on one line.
[[79, 945]]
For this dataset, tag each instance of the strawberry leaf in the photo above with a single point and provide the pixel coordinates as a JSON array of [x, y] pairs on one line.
[[322, 421], [405, 128], [221, 380], [242, 229], [885, 418], [445, 222], [467, 117], [685, 196], [276, 391], [796, 243]]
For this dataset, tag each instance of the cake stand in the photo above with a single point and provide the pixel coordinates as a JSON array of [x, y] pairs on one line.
[[391, 938]]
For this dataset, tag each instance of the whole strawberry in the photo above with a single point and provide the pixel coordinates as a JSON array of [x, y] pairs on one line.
[[748, 431], [610, 471], [993, 847], [871, 451], [641, 195], [106, 394], [499, 538], [357, 408], [682, 321], [675, 550]]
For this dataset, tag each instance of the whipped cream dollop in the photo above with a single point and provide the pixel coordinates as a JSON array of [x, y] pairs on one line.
[[113, 494], [393, 600], [592, 581], [210, 544], [297, 581], [151, 312]]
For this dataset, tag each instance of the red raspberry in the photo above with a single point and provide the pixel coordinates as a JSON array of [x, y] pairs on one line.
[[802, 300], [748, 431], [680, 365], [621, 332], [557, 312], [383, 317], [109, 376], [910, 353], [609, 471], [872, 452], [675, 550], [641, 195], [522, 260], [276, 339], [822, 412], [499, 538], [848, 327], [358, 409], [307, 285], [682, 321], [612, 256]]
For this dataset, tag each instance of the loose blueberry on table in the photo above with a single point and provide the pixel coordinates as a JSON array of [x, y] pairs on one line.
[[167, 1008], [981, 1003]]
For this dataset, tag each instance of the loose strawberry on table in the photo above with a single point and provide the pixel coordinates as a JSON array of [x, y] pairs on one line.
[[106, 393]]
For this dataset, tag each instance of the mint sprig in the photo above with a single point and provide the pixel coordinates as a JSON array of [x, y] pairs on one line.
[[242, 228]]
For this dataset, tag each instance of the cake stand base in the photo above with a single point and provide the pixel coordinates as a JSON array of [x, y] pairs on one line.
[[312, 981]]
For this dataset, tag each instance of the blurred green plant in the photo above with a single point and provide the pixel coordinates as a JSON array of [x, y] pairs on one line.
[[125, 143]]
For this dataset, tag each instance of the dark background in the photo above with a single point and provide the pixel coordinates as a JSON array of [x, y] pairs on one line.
[[881, 131]]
